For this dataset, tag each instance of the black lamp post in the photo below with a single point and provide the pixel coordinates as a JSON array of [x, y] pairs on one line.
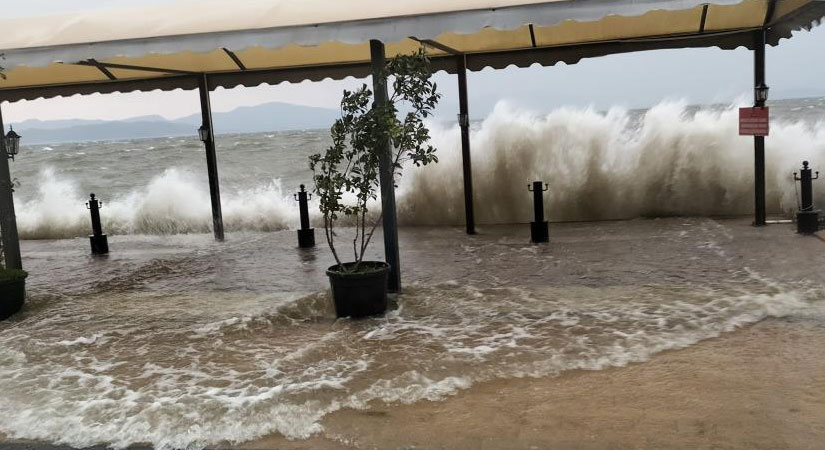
[[12, 143], [8, 223], [760, 94]]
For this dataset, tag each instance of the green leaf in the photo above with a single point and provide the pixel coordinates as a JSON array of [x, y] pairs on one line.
[[362, 134]]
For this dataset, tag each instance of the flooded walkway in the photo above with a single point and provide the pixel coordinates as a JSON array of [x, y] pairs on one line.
[[494, 343]]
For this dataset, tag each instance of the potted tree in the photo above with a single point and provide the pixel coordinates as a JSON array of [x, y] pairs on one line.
[[12, 288], [350, 168]]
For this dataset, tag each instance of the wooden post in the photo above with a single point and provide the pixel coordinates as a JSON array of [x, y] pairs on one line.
[[390, 221], [8, 220], [464, 123], [759, 141], [211, 159]]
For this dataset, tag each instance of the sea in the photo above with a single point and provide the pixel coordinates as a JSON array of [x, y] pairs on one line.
[[180, 342], [672, 159]]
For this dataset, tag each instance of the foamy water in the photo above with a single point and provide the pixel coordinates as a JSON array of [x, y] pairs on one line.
[[669, 160], [187, 343], [180, 342]]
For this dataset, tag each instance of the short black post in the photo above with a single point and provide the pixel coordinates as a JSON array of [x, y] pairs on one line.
[[538, 228], [99, 241], [306, 235], [807, 220]]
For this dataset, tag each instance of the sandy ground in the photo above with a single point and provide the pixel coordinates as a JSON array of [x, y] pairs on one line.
[[760, 387]]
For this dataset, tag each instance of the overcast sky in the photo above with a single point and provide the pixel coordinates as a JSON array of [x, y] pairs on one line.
[[795, 68]]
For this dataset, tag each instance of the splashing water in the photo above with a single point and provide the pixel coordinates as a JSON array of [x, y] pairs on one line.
[[669, 160], [172, 203]]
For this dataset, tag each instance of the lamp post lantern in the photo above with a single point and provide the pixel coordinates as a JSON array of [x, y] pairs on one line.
[[203, 134], [760, 94], [12, 143]]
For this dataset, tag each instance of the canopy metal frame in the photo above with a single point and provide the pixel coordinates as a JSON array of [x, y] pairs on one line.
[[171, 78]]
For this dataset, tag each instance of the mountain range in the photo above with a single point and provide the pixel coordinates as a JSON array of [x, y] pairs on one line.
[[273, 116]]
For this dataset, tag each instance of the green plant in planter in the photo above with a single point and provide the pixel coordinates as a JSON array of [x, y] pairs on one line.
[[350, 167], [351, 163], [12, 275]]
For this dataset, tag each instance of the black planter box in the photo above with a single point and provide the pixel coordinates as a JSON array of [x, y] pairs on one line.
[[12, 295], [807, 222], [360, 294]]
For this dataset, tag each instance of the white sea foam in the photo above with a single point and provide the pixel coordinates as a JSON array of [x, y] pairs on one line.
[[98, 338], [598, 166], [243, 376], [606, 166], [172, 203]]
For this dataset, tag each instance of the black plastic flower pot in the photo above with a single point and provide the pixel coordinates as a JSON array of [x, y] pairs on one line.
[[12, 295], [362, 293]]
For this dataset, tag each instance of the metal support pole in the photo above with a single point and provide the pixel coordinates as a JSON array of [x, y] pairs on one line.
[[759, 141], [8, 220], [211, 159], [464, 123], [386, 172]]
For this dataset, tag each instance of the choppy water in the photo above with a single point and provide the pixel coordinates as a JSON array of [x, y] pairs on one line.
[[670, 160], [182, 342]]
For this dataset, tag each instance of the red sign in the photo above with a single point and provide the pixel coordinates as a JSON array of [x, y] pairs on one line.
[[753, 122]]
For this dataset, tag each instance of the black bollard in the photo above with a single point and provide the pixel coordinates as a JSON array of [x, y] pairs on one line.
[[807, 220], [306, 235], [99, 241], [538, 228]]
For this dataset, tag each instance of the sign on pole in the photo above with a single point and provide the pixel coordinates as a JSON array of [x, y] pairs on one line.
[[754, 121]]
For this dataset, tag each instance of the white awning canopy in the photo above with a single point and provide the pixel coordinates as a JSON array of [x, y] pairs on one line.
[[249, 42]]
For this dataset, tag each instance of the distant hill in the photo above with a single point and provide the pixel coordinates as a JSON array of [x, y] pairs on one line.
[[267, 117], [249, 119], [112, 130]]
